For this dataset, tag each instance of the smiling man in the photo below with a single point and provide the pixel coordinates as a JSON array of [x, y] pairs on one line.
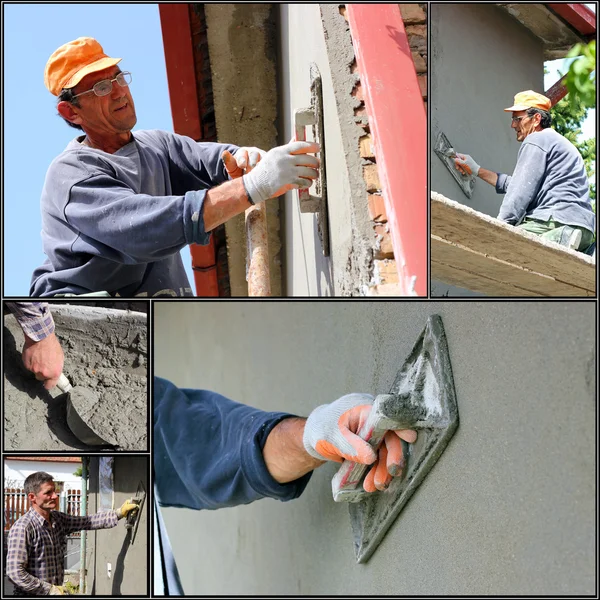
[[37, 541], [117, 206], [548, 193]]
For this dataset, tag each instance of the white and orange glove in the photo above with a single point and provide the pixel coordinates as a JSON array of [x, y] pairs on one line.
[[330, 434], [242, 161], [466, 164]]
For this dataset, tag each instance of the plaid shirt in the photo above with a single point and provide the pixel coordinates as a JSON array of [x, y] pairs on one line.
[[36, 548], [34, 318]]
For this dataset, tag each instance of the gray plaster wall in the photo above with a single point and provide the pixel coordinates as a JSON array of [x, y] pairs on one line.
[[306, 271], [508, 509], [480, 58], [129, 574]]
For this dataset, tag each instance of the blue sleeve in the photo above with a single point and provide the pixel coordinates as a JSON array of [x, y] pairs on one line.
[[502, 183], [524, 184], [208, 450]]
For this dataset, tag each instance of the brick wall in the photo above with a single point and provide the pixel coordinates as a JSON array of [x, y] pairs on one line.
[[384, 281]]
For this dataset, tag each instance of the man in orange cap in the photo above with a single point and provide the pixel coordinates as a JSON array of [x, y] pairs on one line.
[[548, 193], [117, 207]]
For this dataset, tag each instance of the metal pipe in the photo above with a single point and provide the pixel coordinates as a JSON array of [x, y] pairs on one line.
[[83, 513], [257, 251]]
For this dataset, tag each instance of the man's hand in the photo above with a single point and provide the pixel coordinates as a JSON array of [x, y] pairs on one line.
[[330, 434], [466, 164], [44, 358], [58, 590], [244, 160], [282, 169], [127, 507]]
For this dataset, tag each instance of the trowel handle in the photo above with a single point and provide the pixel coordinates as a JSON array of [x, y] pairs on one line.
[[63, 384]]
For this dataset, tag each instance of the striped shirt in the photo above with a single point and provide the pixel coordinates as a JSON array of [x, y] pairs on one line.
[[36, 548], [34, 318]]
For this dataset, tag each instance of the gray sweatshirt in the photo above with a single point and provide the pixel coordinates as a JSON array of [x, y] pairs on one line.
[[549, 181], [116, 222]]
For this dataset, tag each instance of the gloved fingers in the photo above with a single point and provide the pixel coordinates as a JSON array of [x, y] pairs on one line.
[[306, 160], [369, 482], [395, 457], [408, 435], [231, 165], [349, 424], [305, 173], [295, 147], [254, 156], [382, 478]]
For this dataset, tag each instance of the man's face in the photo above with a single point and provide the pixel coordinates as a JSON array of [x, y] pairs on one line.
[[46, 497], [522, 124], [105, 115]]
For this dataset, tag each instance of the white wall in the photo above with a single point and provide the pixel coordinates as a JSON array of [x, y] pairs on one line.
[[18, 470]]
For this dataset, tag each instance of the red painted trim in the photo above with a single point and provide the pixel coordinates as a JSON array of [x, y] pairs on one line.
[[399, 127], [183, 94], [579, 16], [557, 92]]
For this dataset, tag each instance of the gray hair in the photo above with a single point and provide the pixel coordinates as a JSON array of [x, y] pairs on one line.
[[35, 480], [546, 120], [68, 95]]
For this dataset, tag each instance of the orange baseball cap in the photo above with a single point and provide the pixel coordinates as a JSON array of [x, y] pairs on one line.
[[529, 99], [73, 61]]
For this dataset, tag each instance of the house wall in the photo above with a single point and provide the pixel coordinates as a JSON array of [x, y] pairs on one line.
[[19, 470], [480, 58], [509, 508], [128, 562]]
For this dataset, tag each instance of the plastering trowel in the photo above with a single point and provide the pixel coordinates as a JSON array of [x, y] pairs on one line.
[[133, 518], [447, 154], [422, 397], [80, 399]]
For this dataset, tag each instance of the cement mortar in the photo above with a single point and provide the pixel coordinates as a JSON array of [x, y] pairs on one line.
[[105, 360]]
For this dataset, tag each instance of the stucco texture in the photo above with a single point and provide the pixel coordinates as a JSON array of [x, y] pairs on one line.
[[480, 58], [508, 509]]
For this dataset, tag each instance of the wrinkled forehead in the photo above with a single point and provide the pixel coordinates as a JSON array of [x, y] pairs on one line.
[[47, 487]]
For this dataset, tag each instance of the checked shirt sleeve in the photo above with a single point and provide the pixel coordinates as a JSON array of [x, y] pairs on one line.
[[34, 318], [16, 563], [102, 520]]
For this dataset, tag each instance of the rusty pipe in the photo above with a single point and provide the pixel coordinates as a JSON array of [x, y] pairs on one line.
[[257, 251]]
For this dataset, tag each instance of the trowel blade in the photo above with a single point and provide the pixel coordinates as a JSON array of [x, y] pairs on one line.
[[442, 148], [78, 426], [372, 516]]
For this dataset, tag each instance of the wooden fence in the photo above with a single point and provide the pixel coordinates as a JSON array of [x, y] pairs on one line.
[[16, 504]]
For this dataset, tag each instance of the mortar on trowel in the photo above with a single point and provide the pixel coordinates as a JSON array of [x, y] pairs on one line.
[[422, 397], [80, 403]]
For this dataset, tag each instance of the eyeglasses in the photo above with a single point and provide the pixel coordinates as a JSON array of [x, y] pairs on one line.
[[517, 120], [104, 87]]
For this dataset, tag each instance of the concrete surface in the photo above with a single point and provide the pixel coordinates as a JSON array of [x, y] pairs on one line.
[[508, 509], [129, 574], [105, 357], [306, 271], [480, 58], [241, 41]]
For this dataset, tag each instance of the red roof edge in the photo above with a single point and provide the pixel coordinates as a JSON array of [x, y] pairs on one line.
[[579, 16]]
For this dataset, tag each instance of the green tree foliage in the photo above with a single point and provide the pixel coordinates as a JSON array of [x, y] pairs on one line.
[[581, 77]]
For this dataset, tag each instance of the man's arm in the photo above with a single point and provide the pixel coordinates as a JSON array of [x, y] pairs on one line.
[[102, 520], [42, 352], [524, 184], [17, 560]]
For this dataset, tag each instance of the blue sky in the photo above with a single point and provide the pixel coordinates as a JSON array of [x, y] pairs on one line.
[[33, 133]]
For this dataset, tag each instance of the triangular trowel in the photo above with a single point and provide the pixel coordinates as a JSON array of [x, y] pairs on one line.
[[422, 397]]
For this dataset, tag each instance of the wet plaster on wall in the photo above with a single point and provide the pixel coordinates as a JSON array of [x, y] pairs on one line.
[[106, 356], [468, 96], [241, 40], [307, 271], [509, 508]]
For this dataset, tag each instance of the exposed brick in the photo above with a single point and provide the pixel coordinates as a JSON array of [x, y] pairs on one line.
[[357, 92], [385, 271], [376, 208], [412, 13], [366, 146], [420, 64], [344, 12], [420, 30], [384, 289], [383, 248], [371, 177], [353, 67], [423, 85], [361, 111]]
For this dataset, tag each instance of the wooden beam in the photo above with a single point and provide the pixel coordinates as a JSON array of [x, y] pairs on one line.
[[476, 251]]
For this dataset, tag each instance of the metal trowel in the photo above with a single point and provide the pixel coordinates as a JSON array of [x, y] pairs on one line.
[[82, 399], [446, 153], [422, 397]]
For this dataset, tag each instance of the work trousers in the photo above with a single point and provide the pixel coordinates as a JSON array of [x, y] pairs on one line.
[[557, 232]]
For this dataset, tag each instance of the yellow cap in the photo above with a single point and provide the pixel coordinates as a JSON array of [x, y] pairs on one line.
[[530, 99]]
